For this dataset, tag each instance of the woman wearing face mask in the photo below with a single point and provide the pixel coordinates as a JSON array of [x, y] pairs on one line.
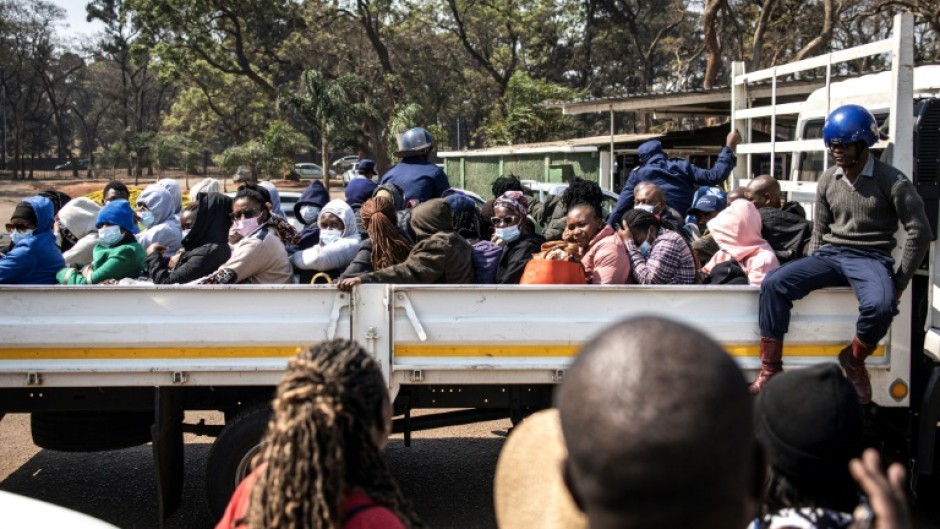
[[306, 210], [33, 258], [339, 241], [205, 246], [117, 254], [514, 234], [659, 256], [76, 231], [157, 212], [258, 255]]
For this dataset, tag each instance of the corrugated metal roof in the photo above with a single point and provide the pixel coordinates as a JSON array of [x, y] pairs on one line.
[[589, 144]]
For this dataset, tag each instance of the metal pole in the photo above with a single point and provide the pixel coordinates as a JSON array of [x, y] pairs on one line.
[[612, 158], [3, 140]]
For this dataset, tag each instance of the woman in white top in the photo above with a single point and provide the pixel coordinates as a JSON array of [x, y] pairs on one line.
[[339, 241]]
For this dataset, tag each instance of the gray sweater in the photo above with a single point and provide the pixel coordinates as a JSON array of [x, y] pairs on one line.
[[867, 216]]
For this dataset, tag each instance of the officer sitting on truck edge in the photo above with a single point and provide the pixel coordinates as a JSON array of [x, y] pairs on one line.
[[420, 179], [859, 203]]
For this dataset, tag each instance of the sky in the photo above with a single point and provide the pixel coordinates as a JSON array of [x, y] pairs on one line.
[[75, 19]]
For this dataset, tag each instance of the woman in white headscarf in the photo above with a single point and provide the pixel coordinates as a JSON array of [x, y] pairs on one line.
[[339, 241]]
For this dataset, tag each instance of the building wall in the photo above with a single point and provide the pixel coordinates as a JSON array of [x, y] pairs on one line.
[[477, 173]]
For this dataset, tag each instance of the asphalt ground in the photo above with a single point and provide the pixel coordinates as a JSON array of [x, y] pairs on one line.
[[447, 473]]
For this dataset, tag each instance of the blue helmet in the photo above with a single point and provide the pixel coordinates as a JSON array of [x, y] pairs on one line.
[[850, 124], [414, 141]]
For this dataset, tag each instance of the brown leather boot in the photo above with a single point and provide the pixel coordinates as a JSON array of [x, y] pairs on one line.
[[771, 363], [852, 360]]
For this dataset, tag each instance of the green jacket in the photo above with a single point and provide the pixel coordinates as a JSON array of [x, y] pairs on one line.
[[116, 262]]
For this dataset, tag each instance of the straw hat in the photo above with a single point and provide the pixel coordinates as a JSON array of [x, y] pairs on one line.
[[529, 491]]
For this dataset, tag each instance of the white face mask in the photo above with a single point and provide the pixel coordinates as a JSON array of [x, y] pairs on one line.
[[645, 207], [328, 236]]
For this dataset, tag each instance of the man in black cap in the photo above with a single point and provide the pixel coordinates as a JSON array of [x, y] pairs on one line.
[[366, 169]]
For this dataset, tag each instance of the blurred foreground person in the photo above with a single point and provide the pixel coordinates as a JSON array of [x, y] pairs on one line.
[[321, 463]]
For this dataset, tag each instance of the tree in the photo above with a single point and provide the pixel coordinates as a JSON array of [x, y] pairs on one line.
[[326, 106], [527, 119]]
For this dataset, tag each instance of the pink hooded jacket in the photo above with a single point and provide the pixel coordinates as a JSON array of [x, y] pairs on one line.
[[606, 261], [737, 232]]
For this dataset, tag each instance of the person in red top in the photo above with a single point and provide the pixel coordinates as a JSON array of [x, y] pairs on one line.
[[321, 464]]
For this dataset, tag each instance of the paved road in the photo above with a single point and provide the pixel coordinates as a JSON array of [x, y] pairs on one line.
[[447, 473]]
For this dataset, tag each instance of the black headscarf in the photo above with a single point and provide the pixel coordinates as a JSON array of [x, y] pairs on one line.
[[213, 221]]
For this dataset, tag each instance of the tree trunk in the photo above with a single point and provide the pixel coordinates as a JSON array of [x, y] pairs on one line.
[[712, 46], [325, 159], [823, 39]]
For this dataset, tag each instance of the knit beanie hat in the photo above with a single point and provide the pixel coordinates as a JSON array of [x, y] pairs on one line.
[[119, 213], [80, 216], [460, 203], [811, 423], [25, 212], [358, 191]]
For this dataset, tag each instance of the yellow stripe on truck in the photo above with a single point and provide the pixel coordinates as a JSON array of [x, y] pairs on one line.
[[401, 351], [503, 351], [149, 353]]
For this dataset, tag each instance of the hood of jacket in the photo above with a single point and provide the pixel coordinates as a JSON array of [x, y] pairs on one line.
[[213, 221], [175, 193], [159, 201], [432, 217], [275, 198], [737, 230], [44, 211], [315, 194], [206, 185], [79, 216], [345, 213], [651, 151]]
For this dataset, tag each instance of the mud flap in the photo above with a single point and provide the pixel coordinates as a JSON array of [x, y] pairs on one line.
[[167, 435]]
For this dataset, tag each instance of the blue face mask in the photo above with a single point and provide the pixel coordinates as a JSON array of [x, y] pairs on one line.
[[507, 234], [645, 249], [110, 235], [309, 214], [147, 218], [18, 236]]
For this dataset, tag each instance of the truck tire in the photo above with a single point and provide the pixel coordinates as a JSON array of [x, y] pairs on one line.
[[90, 431], [230, 456]]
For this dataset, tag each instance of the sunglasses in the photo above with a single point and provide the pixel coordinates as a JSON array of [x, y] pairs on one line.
[[504, 221], [246, 214], [18, 227]]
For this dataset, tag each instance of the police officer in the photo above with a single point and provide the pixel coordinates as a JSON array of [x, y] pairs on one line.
[[677, 178], [859, 203], [420, 179]]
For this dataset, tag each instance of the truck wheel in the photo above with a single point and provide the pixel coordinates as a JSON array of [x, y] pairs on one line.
[[230, 456], [90, 431]]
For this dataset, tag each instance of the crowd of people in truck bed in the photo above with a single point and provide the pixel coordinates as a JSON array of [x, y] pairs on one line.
[[409, 226]]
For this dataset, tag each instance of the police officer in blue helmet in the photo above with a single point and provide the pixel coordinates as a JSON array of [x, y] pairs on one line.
[[420, 179], [859, 203]]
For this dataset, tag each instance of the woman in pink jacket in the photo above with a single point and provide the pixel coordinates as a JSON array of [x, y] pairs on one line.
[[603, 255], [737, 231]]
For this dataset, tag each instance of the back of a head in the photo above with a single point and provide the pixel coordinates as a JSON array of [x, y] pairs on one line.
[[657, 423], [433, 216], [506, 183], [812, 425]]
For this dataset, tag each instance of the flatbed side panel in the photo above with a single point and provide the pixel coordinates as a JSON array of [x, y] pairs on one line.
[[125, 336], [530, 334]]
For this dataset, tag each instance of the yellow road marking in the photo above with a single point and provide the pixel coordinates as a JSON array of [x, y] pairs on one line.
[[104, 353], [501, 351]]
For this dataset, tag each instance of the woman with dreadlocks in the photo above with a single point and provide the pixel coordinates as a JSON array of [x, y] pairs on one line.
[[603, 255], [386, 244], [321, 463]]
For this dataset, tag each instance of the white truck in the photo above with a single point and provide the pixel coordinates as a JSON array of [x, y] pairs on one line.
[[107, 367]]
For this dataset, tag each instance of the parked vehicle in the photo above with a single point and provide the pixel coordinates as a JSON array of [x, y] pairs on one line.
[[308, 171], [81, 164], [345, 163]]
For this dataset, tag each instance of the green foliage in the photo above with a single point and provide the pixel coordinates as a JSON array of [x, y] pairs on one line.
[[526, 119], [173, 150], [271, 157], [408, 117]]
